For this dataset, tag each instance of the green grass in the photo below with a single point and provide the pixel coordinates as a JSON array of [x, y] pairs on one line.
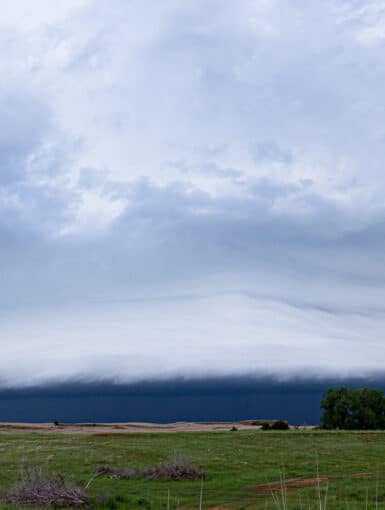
[[234, 462]]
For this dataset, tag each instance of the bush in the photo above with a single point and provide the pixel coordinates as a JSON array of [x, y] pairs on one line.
[[177, 468], [171, 472], [128, 474], [280, 425], [41, 491], [275, 425], [359, 409]]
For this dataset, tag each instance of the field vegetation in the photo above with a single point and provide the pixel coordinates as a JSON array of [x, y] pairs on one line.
[[294, 469]]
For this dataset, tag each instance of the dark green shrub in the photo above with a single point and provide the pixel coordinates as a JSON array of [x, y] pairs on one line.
[[275, 425], [280, 425]]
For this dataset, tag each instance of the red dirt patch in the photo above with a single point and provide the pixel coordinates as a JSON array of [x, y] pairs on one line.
[[291, 483], [300, 483]]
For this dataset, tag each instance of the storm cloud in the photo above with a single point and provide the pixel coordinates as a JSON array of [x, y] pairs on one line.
[[191, 189]]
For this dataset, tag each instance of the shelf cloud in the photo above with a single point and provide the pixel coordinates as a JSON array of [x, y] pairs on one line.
[[191, 189]]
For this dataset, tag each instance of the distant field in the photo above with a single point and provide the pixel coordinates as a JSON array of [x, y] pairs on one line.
[[241, 467], [118, 428]]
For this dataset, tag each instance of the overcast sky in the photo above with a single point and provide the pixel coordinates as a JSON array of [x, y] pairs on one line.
[[191, 188]]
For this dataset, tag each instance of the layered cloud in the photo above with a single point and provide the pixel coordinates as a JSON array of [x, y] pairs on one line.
[[191, 189]]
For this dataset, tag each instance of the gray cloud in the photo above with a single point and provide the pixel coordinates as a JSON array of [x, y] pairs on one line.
[[199, 194]]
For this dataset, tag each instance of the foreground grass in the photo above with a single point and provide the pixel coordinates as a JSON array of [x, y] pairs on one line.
[[234, 463]]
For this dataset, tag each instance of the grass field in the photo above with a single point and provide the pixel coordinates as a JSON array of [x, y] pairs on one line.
[[234, 463]]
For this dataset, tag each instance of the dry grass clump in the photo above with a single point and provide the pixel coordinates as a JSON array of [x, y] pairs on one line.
[[177, 468], [128, 474], [36, 489]]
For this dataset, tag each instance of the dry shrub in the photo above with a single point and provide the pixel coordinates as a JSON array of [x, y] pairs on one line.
[[177, 468], [38, 490], [115, 473]]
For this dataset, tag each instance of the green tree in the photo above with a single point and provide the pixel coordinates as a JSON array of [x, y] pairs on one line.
[[358, 409]]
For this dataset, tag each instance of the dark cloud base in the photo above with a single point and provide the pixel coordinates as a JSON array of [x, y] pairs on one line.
[[174, 400]]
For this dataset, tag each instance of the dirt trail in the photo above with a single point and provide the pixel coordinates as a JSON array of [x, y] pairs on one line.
[[289, 484], [300, 483]]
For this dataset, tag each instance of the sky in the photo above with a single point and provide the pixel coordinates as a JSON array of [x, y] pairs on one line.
[[191, 189]]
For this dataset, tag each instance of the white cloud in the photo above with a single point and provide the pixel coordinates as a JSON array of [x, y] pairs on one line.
[[31, 16], [151, 147], [216, 335]]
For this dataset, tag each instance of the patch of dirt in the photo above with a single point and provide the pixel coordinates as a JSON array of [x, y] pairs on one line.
[[289, 484], [368, 436], [300, 483]]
